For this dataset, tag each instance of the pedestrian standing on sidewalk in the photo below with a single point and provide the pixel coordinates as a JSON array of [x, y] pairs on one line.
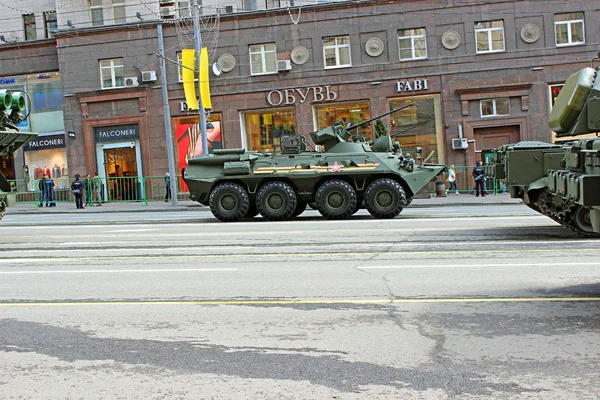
[[77, 187], [452, 179], [88, 190], [167, 187], [41, 188], [97, 183], [479, 175], [47, 192]]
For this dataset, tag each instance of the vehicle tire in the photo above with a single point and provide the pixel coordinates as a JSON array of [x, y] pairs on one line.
[[229, 202], [252, 211], [408, 201], [580, 220], [336, 199], [359, 205], [276, 201], [385, 198], [300, 207]]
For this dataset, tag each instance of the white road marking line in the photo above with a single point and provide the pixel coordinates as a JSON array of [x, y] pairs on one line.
[[131, 230], [479, 265], [102, 271]]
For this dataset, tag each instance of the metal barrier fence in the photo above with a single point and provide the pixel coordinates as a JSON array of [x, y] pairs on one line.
[[152, 188]]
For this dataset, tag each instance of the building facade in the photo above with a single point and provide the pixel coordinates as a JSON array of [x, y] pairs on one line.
[[475, 75]]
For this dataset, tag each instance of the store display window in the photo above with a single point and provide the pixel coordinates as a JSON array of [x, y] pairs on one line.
[[419, 125], [50, 161], [189, 138], [264, 128], [353, 113]]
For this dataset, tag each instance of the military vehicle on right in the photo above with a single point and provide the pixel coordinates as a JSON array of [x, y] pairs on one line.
[[561, 181]]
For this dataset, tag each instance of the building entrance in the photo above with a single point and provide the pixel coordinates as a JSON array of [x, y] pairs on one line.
[[120, 171]]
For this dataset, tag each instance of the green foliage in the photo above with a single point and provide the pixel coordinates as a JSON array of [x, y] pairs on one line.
[[380, 129]]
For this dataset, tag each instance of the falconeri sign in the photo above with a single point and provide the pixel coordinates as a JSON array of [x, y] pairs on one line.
[[46, 142], [117, 133]]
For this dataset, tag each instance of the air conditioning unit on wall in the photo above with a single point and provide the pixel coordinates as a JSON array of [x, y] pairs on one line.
[[132, 81], [460, 144], [148, 76], [167, 12], [284, 65]]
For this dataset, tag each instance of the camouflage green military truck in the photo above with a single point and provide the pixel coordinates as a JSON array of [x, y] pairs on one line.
[[561, 181], [239, 184], [12, 105]]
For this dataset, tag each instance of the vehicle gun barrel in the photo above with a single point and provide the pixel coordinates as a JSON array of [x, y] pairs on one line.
[[379, 116]]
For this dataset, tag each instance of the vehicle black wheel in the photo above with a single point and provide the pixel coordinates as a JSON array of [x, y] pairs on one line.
[[385, 198], [408, 201], [252, 211], [580, 219], [359, 205], [300, 207], [229, 202], [276, 201], [336, 199]]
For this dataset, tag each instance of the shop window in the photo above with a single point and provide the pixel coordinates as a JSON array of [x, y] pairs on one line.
[[119, 11], [353, 113], [50, 24], [489, 36], [495, 107], [336, 52], [184, 9], [264, 128], [569, 29], [419, 125], [111, 73], [263, 59], [412, 44], [29, 26], [96, 13]]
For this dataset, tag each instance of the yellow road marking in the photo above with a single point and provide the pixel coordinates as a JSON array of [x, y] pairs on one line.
[[297, 302], [293, 255]]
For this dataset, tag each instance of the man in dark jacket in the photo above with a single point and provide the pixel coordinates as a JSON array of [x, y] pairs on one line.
[[479, 175], [77, 187]]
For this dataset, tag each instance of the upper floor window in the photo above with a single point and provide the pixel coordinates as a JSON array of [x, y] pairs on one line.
[[180, 67], [273, 4], [29, 25], [249, 5], [569, 29], [494, 107], [263, 59], [336, 52], [184, 9], [489, 36], [111, 73], [50, 24], [119, 11], [412, 44], [97, 15]]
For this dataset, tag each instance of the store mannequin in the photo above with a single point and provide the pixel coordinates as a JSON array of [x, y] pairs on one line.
[[47, 172], [56, 171], [38, 174]]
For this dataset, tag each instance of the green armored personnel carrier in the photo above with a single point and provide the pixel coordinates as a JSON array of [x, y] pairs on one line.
[[239, 184], [12, 105], [561, 181]]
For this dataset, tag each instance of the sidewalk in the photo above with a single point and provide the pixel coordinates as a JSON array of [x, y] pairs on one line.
[[188, 205]]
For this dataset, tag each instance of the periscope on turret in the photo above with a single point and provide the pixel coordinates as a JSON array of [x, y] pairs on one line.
[[561, 181], [349, 173], [12, 106]]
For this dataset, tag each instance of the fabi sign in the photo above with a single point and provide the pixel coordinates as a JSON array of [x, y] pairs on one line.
[[411, 85]]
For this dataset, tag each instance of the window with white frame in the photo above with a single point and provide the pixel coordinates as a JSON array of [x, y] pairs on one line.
[[263, 59], [179, 67], [412, 44], [273, 4], [489, 36], [184, 9], [96, 13], [495, 107], [249, 5], [112, 73], [569, 29], [336, 52], [119, 11]]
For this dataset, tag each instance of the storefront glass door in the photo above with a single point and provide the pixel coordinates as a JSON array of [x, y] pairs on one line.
[[121, 172]]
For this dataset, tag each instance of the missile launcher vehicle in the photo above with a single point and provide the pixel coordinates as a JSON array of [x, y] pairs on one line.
[[350, 172], [12, 105], [561, 181]]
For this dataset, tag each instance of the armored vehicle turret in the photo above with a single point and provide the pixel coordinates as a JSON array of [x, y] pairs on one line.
[[12, 105], [351, 171], [561, 181]]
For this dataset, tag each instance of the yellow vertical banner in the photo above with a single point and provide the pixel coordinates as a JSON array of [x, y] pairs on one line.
[[188, 56], [204, 84]]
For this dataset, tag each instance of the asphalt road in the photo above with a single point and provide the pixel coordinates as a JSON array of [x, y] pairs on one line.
[[436, 304]]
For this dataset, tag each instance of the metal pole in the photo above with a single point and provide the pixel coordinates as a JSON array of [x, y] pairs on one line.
[[198, 43], [169, 135]]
